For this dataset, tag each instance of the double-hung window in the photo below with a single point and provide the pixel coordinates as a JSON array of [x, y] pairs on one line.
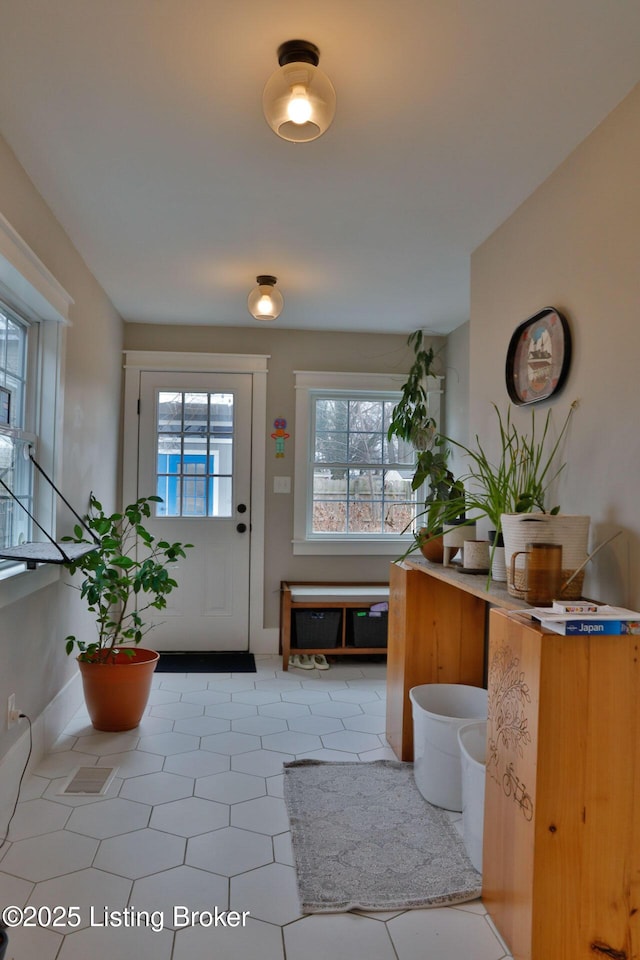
[[352, 484], [34, 310], [18, 349]]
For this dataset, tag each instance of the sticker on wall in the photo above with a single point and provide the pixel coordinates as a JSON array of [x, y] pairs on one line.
[[280, 435]]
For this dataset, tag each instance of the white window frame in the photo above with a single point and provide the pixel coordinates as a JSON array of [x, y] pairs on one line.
[[32, 292], [307, 385]]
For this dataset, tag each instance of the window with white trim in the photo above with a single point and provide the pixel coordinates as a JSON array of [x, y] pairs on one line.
[[352, 489], [18, 348], [34, 309]]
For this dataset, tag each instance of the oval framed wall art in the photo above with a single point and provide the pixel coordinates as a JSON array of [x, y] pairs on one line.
[[538, 357]]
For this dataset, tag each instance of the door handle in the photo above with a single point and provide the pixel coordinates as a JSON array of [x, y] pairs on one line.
[[241, 527]]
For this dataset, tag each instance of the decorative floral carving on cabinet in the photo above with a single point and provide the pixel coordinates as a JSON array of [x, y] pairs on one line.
[[508, 726]]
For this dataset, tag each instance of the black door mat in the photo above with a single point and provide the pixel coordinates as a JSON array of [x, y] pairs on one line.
[[202, 662]]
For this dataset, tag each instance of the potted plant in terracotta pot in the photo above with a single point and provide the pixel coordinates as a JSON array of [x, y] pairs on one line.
[[412, 423], [126, 574], [444, 503]]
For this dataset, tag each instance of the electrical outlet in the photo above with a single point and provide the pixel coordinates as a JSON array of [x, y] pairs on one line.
[[12, 714]]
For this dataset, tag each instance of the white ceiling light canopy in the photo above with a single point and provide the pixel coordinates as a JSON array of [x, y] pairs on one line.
[[299, 101], [264, 301]]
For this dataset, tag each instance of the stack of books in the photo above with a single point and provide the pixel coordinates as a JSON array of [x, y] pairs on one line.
[[587, 619]]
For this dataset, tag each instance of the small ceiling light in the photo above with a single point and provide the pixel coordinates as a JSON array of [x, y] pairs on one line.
[[299, 100], [264, 301]]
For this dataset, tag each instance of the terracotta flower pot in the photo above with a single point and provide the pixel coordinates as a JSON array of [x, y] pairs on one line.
[[116, 693], [431, 547]]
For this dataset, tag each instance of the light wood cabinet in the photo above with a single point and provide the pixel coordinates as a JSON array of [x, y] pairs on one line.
[[561, 862], [437, 634]]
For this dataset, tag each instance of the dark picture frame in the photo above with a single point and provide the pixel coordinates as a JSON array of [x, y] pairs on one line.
[[538, 357]]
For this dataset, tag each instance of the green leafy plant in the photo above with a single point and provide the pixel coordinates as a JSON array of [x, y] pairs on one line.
[[410, 419], [518, 481], [126, 574], [412, 422]]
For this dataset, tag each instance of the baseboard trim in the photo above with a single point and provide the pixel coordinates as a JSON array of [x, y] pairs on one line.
[[45, 730], [267, 641]]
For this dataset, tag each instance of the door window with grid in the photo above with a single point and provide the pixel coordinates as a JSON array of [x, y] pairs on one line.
[[194, 451]]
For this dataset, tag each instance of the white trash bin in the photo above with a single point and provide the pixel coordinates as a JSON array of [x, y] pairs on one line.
[[439, 709], [472, 738]]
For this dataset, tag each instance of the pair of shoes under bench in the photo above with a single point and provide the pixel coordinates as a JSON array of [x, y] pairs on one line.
[[305, 662], [302, 661]]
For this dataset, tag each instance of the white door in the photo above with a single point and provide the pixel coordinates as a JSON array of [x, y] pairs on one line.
[[194, 451]]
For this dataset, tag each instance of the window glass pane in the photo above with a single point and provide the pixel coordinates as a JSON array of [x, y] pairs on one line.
[[365, 415], [365, 484], [331, 446], [220, 497], [15, 470], [365, 448], [329, 517], [329, 484], [332, 414], [169, 454], [398, 451], [397, 484], [16, 346], [365, 517], [398, 517], [196, 413], [194, 496], [16, 403], [221, 414], [3, 344], [169, 412]]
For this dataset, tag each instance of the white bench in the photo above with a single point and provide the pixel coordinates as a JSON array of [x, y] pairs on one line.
[[328, 596]]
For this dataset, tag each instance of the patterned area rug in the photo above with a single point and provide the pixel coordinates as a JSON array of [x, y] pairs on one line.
[[365, 838]]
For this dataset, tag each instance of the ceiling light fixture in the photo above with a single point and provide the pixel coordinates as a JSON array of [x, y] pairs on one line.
[[299, 100], [264, 301]]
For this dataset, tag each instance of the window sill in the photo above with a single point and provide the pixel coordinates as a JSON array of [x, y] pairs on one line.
[[16, 582], [350, 547]]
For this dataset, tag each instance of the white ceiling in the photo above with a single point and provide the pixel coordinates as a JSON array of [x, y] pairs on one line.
[[140, 123]]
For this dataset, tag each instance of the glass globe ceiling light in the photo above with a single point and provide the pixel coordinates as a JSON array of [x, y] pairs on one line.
[[264, 301], [299, 101]]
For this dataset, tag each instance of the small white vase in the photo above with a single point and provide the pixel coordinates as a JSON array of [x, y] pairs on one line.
[[498, 566]]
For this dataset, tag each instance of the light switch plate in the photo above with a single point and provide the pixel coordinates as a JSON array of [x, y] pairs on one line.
[[282, 484]]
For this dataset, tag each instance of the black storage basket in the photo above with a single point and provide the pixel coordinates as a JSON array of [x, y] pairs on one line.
[[317, 628], [369, 631]]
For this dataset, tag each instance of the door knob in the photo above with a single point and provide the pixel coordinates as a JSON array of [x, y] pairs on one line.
[[241, 527]]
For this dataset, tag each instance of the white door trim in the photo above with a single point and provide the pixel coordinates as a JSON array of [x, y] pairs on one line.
[[137, 361]]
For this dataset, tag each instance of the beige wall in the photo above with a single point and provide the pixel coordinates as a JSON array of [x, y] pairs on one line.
[[288, 350], [33, 664], [575, 244], [456, 418]]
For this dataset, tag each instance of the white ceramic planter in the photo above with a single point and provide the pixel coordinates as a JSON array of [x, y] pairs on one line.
[[569, 530], [454, 537]]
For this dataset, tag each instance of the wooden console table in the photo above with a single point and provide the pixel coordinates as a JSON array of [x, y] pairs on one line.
[[561, 862], [437, 634]]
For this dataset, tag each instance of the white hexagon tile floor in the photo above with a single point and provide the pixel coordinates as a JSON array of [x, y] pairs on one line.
[[195, 818]]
